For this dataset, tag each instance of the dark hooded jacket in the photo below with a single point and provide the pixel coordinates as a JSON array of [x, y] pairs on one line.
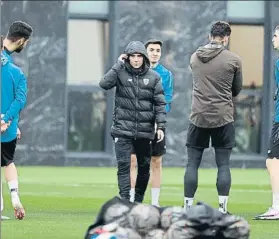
[[139, 97], [217, 78]]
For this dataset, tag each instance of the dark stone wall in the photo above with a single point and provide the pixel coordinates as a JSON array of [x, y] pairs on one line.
[[44, 63], [183, 26]]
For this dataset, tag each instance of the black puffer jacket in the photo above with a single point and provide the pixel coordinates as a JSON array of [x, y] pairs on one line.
[[139, 97]]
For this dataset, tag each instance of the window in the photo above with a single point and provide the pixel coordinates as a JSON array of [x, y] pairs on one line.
[[87, 51], [89, 7], [245, 9], [88, 44], [86, 121], [248, 103], [243, 39]]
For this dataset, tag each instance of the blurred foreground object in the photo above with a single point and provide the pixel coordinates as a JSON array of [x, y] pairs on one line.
[[119, 219]]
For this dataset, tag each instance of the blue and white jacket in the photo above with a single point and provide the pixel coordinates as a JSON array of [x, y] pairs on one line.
[[167, 82], [13, 95]]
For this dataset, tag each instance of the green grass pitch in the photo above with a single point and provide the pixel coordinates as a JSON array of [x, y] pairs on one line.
[[61, 202]]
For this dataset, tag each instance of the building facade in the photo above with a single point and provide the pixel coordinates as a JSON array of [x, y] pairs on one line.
[[68, 117]]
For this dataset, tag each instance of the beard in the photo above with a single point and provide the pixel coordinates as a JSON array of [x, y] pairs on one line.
[[19, 49]]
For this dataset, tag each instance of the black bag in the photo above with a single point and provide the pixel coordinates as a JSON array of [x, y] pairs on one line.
[[204, 222], [112, 210]]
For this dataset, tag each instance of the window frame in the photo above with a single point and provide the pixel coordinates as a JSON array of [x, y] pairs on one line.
[[89, 89], [264, 136], [89, 16], [266, 121], [268, 85], [104, 35], [248, 20], [255, 92], [108, 144]]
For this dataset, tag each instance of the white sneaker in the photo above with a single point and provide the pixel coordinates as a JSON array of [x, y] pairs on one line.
[[156, 205], [271, 214], [222, 210], [4, 218], [186, 208]]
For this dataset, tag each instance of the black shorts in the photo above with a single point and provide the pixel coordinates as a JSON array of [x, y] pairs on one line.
[[7, 152], [221, 137], [158, 148], [273, 148]]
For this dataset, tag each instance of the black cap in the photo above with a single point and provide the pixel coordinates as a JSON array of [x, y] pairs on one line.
[[153, 41]]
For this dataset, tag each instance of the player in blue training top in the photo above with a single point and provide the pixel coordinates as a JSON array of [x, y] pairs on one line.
[[13, 100], [272, 162], [154, 51]]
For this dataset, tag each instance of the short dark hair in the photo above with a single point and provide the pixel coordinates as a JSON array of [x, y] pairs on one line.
[[18, 30], [1, 42], [153, 41], [220, 29]]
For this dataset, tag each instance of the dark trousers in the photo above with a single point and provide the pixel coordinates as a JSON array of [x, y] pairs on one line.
[[222, 157], [123, 150]]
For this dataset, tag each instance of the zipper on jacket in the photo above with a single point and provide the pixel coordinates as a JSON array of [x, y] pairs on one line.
[[137, 82]]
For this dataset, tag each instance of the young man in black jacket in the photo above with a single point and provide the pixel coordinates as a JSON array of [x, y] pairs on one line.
[[139, 104]]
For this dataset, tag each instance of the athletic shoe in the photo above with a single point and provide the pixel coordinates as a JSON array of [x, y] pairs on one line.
[[271, 214], [4, 218]]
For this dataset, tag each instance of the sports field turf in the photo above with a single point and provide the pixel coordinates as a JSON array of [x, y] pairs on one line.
[[62, 202]]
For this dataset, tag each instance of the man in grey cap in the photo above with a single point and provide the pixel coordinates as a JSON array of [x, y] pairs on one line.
[[154, 51]]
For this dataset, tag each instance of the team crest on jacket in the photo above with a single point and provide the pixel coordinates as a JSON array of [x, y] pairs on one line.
[[4, 60], [145, 81]]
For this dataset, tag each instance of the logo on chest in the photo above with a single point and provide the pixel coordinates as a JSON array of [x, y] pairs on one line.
[[145, 81]]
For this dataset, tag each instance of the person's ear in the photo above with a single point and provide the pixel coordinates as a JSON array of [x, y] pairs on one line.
[[20, 41]]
